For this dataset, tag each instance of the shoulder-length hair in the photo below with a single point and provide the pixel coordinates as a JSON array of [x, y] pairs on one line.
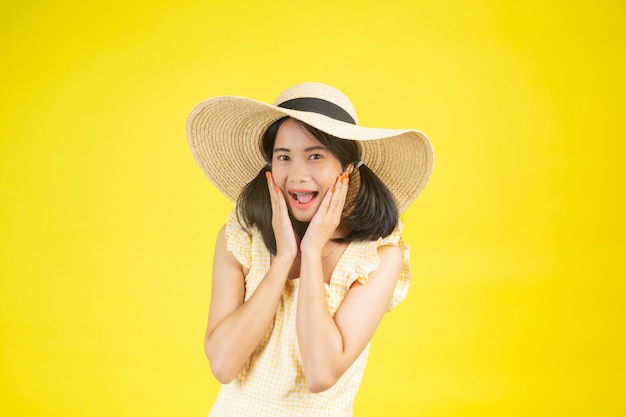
[[372, 214]]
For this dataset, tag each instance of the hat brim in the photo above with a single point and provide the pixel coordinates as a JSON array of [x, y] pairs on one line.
[[224, 136]]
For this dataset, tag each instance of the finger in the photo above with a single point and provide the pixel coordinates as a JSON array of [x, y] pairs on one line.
[[272, 187], [279, 206], [331, 207], [274, 197], [323, 208], [270, 182], [340, 192]]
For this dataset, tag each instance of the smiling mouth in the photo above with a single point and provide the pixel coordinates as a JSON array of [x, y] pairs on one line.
[[303, 197]]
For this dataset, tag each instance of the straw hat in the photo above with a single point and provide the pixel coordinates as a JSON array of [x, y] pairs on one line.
[[224, 134]]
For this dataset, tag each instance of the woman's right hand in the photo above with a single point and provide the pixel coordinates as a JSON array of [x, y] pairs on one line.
[[286, 242]]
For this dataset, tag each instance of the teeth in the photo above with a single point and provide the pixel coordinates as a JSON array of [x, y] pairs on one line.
[[304, 196]]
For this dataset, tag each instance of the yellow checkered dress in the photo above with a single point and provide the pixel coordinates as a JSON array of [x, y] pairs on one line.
[[271, 383]]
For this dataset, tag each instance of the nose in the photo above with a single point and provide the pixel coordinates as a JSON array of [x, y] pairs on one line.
[[298, 173]]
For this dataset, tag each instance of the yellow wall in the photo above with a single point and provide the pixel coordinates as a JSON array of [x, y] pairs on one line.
[[107, 225]]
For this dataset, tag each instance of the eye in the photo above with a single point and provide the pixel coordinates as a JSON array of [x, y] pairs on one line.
[[316, 156], [282, 158]]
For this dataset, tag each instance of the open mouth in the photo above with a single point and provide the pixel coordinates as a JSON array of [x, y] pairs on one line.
[[303, 197]]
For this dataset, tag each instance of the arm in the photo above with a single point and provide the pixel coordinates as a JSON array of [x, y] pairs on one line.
[[329, 345], [235, 327]]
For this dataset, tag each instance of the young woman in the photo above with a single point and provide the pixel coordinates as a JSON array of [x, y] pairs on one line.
[[312, 256]]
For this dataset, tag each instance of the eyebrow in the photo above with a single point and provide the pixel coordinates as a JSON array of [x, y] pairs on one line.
[[309, 149]]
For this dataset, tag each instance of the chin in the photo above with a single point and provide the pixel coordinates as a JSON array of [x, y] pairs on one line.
[[302, 217]]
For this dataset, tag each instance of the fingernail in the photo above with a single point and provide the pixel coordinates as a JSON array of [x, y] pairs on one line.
[[277, 189], [332, 190], [267, 175]]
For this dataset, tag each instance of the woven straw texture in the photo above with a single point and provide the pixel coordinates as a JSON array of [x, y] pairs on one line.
[[224, 135]]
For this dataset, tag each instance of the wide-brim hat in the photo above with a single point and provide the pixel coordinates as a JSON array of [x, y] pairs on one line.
[[225, 132]]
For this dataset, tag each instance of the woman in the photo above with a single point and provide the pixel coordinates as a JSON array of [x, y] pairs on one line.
[[312, 256]]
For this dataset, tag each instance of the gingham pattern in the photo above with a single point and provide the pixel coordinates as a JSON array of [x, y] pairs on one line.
[[272, 383]]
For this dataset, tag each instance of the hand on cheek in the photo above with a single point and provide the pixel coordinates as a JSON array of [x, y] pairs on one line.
[[328, 215], [286, 243]]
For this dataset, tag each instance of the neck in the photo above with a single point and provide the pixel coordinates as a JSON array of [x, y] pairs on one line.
[[299, 227]]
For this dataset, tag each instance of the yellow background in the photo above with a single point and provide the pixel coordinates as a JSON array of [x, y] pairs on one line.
[[517, 305]]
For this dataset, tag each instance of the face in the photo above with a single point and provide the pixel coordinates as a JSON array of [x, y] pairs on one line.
[[303, 169]]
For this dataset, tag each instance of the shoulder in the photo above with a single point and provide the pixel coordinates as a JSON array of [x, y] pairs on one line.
[[236, 240], [389, 256], [384, 259]]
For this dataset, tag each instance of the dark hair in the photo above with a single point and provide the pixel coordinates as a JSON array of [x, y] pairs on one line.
[[372, 214]]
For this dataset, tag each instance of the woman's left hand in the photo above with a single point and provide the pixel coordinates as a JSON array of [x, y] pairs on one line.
[[328, 216]]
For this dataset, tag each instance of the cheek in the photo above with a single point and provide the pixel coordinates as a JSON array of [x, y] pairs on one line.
[[330, 177], [279, 178]]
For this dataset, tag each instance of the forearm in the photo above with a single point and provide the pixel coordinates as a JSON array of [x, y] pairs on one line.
[[320, 341], [235, 337]]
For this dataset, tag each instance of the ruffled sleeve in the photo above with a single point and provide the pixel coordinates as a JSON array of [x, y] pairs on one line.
[[238, 241], [368, 262]]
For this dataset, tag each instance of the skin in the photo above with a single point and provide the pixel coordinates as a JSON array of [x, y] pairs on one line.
[[328, 344]]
